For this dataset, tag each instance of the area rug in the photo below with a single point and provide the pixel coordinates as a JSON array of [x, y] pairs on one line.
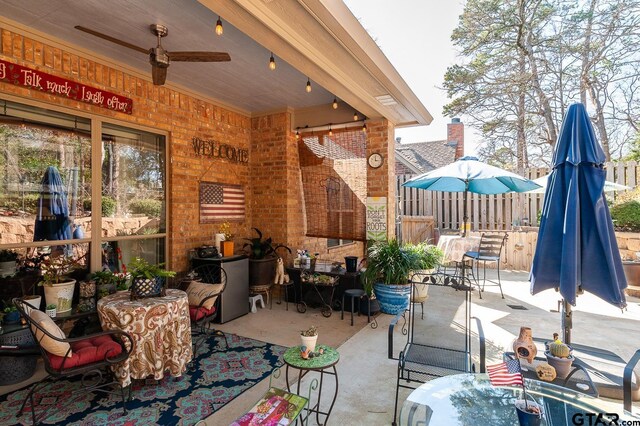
[[221, 374]]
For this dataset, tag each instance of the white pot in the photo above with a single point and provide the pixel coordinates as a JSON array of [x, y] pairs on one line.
[[51, 312], [31, 304], [60, 294], [309, 342], [7, 269]]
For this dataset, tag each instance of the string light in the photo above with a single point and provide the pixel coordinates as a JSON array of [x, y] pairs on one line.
[[272, 62], [335, 103], [330, 131], [364, 127], [297, 134], [355, 116], [308, 85], [219, 29]]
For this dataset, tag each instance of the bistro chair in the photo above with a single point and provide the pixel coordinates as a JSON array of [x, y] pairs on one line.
[[204, 292], [490, 250], [64, 357]]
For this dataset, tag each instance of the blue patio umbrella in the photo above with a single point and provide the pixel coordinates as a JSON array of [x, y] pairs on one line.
[[577, 248], [52, 216], [468, 174]]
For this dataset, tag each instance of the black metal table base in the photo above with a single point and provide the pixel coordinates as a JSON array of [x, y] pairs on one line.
[[316, 408], [325, 305]]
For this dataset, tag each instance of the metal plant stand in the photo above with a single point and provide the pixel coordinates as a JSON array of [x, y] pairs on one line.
[[322, 289]]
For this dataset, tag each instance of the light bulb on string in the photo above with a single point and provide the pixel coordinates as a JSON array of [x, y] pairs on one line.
[[335, 103], [219, 29], [355, 116], [364, 127], [330, 131], [272, 62], [308, 85]]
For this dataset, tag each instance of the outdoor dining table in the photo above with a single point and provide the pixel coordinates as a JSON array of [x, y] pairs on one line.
[[465, 399], [455, 246], [161, 331]]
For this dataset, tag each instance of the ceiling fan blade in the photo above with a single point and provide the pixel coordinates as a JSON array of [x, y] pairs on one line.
[[111, 39], [158, 74], [199, 56]]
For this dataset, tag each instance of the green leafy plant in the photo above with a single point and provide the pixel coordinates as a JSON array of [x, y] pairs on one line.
[[626, 216], [140, 268], [50, 306], [389, 262], [8, 256], [108, 206], [118, 279], [260, 248], [147, 206]]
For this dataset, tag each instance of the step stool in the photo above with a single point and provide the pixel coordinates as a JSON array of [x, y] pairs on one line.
[[253, 300]]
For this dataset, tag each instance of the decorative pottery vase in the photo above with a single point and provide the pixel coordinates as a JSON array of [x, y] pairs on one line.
[[393, 298], [523, 346], [60, 294], [309, 342]]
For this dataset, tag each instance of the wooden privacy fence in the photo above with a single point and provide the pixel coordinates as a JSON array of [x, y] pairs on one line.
[[490, 212]]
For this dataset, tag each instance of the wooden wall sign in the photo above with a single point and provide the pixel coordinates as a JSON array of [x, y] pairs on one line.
[[213, 149], [38, 80]]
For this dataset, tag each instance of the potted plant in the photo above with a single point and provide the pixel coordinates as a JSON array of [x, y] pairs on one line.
[[559, 356], [389, 268], [51, 310], [10, 314], [147, 279], [31, 302], [227, 243], [262, 259], [58, 287], [529, 413], [309, 338], [8, 259]]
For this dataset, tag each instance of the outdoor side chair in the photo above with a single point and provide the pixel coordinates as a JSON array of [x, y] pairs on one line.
[[89, 356], [490, 250], [201, 316]]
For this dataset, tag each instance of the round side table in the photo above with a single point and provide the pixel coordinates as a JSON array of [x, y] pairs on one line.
[[324, 364]]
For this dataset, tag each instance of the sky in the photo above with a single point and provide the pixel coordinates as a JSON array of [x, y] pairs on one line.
[[415, 35]]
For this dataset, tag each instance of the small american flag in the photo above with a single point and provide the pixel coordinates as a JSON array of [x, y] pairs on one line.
[[218, 201], [506, 373]]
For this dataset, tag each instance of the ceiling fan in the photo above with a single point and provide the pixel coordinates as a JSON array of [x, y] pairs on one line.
[[159, 58]]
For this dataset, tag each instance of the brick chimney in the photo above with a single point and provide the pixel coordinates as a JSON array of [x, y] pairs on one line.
[[455, 133]]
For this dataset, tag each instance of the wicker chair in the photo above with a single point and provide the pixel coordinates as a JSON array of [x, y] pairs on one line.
[[201, 317], [87, 356]]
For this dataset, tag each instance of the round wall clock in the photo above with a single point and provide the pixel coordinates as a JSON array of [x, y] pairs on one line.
[[375, 160]]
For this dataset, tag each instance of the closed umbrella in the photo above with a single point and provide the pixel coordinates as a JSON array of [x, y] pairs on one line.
[[52, 216], [470, 175], [577, 248]]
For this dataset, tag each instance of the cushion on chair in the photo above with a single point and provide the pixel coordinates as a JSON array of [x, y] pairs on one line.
[[198, 291], [196, 313], [88, 351], [473, 254], [48, 344]]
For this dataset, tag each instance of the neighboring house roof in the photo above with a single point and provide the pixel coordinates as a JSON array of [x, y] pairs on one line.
[[423, 157]]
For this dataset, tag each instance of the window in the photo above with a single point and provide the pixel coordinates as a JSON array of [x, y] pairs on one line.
[[333, 242], [46, 183]]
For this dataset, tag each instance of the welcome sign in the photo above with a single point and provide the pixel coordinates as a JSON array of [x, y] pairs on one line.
[[377, 218], [38, 80]]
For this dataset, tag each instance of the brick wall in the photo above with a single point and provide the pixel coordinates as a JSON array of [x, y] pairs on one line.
[[272, 180], [155, 107]]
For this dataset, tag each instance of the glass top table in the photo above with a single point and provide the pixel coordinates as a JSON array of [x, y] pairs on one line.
[[470, 399]]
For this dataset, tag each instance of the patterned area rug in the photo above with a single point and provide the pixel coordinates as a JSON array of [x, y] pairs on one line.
[[221, 375]]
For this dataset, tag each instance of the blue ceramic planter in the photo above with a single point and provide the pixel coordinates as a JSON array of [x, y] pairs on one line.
[[393, 298]]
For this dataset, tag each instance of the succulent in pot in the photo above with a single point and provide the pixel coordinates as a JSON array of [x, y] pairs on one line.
[[389, 269], [559, 357], [309, 338]]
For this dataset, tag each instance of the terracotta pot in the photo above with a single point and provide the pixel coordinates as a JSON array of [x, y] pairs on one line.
[[523, 346], [227, 248], [562, 365]]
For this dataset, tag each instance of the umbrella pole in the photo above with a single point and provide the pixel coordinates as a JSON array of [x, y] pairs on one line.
[[566, 321], [464, 214]]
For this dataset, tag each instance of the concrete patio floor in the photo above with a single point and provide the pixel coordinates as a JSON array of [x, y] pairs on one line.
[[367, 377]]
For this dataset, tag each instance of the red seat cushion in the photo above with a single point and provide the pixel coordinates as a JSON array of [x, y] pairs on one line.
[[197, 314], [86, 352]]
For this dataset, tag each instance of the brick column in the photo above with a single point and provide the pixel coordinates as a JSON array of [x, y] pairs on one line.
[[381, 182]]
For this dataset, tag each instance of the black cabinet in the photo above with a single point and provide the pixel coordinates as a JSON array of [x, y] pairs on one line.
[[234, 302]]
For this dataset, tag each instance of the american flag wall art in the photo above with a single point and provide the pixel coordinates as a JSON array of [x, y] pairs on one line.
[[221, 202]]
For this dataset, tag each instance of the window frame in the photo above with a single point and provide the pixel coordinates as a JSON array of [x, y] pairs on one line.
[[95, 238]]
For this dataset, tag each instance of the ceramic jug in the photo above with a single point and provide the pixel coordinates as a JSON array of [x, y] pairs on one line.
[[523, 346]]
